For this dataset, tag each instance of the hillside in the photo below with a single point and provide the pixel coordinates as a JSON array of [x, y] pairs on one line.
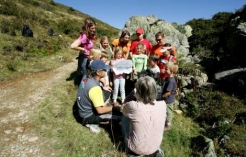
[[42, 52]]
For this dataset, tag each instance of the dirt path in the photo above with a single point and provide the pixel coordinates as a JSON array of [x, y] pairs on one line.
[[18, 98]]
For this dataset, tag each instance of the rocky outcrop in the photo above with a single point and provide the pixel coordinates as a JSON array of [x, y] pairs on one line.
[[151, 25]]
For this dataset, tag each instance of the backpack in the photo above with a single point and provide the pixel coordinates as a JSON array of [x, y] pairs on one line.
[[26, 31], [51, 32]]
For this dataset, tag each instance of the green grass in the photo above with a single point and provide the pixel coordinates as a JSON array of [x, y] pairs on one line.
[[177, 141], [55, 122]]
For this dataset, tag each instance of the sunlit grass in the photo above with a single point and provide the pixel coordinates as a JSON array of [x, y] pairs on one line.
[[55, 121]]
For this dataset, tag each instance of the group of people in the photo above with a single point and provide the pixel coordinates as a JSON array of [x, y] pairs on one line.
[[144, 112]]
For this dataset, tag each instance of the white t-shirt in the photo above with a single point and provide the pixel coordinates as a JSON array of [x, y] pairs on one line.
[[156, 71]]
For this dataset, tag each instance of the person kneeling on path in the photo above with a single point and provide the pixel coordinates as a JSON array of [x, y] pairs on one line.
[[92, 107]]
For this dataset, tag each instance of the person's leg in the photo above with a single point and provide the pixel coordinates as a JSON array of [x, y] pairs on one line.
[[125, 130], [122, 90], [92, 123], [116, 90], [79, 70], [83, 65], [109, 116], [169, 115]]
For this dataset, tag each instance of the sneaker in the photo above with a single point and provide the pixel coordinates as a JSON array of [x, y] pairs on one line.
[[159, 153], [167, 126], [93, 128]]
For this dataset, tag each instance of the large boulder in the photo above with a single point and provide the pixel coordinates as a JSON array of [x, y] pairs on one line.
[[151, 25]]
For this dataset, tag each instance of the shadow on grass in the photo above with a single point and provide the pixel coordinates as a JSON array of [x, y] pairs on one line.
[[75, 77], [113, 129]]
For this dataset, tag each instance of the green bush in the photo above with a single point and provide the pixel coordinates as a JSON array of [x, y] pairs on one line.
[[8, 8], [11, 66], [52, 2]]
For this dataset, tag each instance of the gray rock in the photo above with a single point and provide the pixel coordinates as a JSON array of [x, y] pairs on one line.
[[151, 25]]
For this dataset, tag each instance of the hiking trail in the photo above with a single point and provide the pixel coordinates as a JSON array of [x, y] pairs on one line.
[[18, 99]]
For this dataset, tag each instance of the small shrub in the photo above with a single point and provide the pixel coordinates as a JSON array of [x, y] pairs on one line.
[[52, 2], [8, 8], [11, 66], [70, 9]]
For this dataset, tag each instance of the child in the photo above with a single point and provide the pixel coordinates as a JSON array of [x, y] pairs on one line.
[[118, 80], [106, 80], [168, 93], [139, 60], [105, 83], [95, 54], [104, 46], [153, 67], [164, 59]]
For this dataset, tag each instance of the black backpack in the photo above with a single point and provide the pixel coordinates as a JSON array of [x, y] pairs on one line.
[[26, 31], [51, 32]]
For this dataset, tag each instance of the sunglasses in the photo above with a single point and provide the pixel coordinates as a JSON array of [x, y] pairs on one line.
[[157, 40]]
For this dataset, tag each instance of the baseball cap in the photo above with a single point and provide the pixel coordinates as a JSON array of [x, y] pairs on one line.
[[140, 31], [164, 48], [99, 65]]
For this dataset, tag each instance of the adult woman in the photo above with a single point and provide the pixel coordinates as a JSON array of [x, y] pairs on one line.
[[143, 121], [84, 43], [124, 42]]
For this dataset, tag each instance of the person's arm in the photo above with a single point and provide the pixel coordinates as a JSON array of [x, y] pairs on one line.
[[103, 109], [114, 45], [145, 62], [132, 49], [127, 53], [174, 51], [96, 97], [130, 96], [133, 65], [128, 45], [103, 81], [76, 45], [149, 49], [166, 94]]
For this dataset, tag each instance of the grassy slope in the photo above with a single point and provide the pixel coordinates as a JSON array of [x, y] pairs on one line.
[[20, 55], [57, 123]]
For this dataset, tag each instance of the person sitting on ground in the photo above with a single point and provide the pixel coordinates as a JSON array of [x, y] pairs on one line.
[[92, 107], [144, 119]]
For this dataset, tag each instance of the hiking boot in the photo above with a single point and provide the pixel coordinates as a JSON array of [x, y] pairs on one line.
[[93, 128], [167, 126]]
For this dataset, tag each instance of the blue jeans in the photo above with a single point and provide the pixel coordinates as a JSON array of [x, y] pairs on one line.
[[119, 83], [82, 61]]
